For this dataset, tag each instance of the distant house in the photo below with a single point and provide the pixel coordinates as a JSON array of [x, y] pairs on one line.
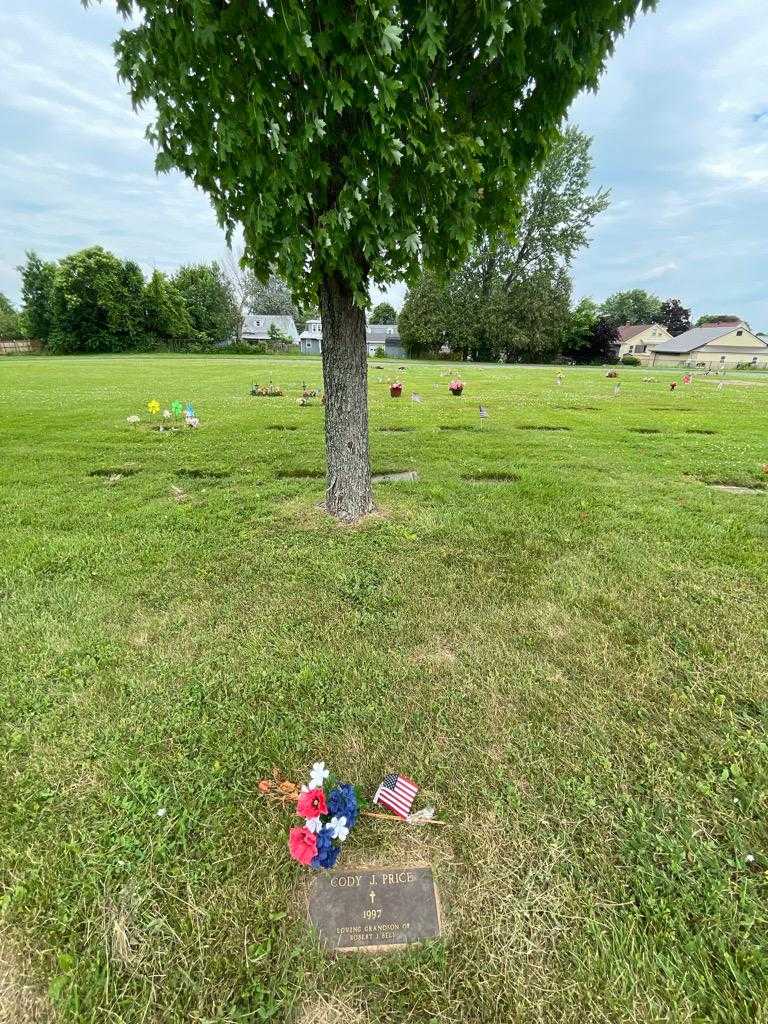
[[712, 348], [256, 327], [384, 336], [377, 336], [637, 339], [311, 339]]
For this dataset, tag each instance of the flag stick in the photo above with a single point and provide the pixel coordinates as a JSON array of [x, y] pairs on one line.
[[277, 797]]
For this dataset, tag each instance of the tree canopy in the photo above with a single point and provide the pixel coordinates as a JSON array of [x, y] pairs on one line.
[[634, 306], [383, 313], [589, 336], [97, 304], [511, 297], [37, 278], [717, 318], [167, 319], [339, 134], [9, 319], [209, 301], [675, 317]]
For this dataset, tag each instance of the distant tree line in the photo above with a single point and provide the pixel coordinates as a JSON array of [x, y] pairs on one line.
[[92, 301], [511, 299]]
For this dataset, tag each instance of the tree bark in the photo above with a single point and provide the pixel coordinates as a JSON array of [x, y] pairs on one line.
[[349, 496]]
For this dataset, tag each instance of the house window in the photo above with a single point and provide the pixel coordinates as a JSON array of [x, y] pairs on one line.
[[722, 359], [739, 333], [639, 349]]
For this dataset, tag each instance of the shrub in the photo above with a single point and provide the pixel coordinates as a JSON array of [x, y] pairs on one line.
[[244, 348], [630, 361]]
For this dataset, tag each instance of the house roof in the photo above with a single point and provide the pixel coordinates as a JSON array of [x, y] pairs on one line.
[[257, 325], [381, 333], [697, 337], [628, 331]]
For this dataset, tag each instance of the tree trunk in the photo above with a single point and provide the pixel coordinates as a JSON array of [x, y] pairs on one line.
[[345, 375]]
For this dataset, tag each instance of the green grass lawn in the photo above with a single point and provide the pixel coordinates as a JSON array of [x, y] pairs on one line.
[[572, 661]]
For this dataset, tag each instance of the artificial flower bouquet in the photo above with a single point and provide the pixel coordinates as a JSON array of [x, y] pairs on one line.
[[270, 391], [456, 387], [167, 420], [329, 813], [331, 810], [396, 389]]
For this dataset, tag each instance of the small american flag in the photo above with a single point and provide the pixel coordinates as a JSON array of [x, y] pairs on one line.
[[396, 793], [483, 413]]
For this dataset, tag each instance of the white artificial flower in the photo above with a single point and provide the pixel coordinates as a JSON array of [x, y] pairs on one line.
[[314, 824], [750, 858], [338, 828], [161, 812], [166, 414], [318, 775]]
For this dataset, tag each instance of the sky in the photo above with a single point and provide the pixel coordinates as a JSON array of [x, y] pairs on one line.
[[680, 130]]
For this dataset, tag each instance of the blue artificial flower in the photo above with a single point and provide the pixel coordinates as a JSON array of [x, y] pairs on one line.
[[342, 802], [327, 853]]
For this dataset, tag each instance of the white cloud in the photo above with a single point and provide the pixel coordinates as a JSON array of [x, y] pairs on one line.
[[654, 273]]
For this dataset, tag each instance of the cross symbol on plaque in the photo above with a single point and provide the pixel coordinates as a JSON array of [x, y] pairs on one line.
[[373, 896]]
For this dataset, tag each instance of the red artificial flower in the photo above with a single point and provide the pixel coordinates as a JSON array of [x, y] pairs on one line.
[[302, 845], [311, 804]]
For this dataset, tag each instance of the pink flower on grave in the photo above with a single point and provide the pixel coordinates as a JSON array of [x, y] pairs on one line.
[[302, 845], [311, 804]]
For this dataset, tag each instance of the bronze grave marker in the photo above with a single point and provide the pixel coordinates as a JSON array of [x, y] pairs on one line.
[[374, 909]]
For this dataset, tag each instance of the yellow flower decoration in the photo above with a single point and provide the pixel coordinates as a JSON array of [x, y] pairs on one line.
[[153, 407]]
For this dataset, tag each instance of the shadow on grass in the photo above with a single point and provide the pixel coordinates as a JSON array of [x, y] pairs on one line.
[[300, 474], [202, 474], [491, 478], [551, 429]]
